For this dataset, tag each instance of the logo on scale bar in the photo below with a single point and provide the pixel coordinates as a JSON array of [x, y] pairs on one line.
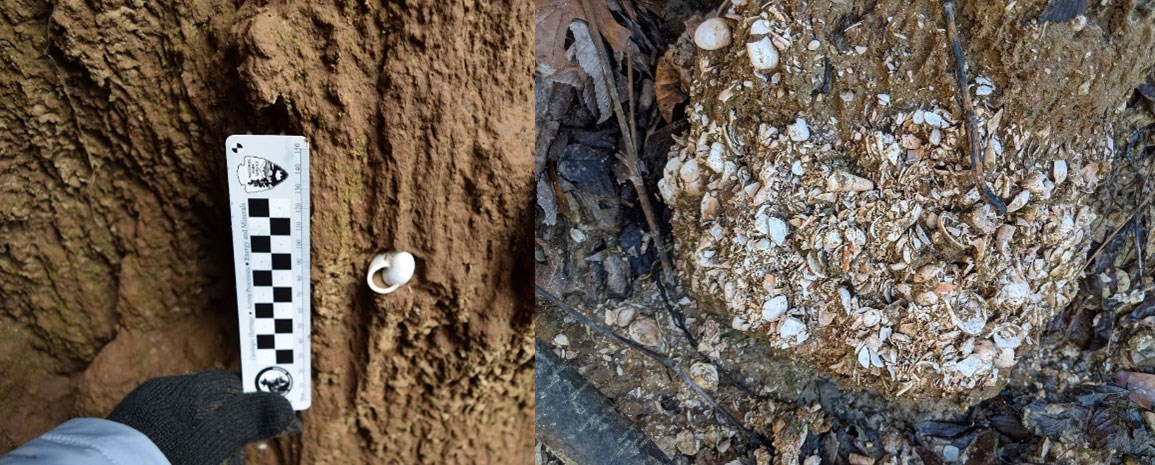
[[274, 379], [258, 174]]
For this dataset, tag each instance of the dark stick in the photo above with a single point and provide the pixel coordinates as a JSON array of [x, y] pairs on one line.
[[754, 438], [964, 98]]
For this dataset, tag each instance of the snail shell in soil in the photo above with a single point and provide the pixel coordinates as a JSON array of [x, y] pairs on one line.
[[968, 312]]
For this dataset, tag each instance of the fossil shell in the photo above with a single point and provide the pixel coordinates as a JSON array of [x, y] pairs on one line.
[[771, 226], [1014, 293], [774, 308], [760, 27], [763, 55], [793, 328], [972, 365], [799, 131], [1060, 171], [645, 332], [712, 34], [968, 312], [705, 375], [842, 181], [691, 177], [1008, 336]]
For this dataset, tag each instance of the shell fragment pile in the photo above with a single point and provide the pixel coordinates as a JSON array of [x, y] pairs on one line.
[[862, 248]]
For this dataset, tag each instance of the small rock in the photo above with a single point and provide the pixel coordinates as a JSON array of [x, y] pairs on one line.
[[860, 49], [712, 34], [982, 91], [884, 99], [846, 96], [858, 459], [799, 131], [645, 332], [842, 181], [813, 45], [561, 340], [950, 453], [763, 55]]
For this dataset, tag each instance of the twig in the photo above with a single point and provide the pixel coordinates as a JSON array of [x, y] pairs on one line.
[[1116, 233], [964, 97], [753, 438], [631, 156]]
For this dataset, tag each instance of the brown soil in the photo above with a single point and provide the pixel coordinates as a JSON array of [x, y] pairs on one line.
[[116, 267]]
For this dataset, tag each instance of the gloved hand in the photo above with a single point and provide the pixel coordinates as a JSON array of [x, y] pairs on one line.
[[202, 418]]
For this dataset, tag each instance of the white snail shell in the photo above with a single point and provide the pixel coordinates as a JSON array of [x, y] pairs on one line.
[[389, 271]]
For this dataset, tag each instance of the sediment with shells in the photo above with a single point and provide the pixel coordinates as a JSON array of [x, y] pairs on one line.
[[862, 248]]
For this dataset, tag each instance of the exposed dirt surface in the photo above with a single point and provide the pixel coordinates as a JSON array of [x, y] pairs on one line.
[[115, 264], [1060, 91]]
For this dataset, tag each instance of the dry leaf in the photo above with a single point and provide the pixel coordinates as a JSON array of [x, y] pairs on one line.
[[552, 21], [668, 87], [1142, 386], [585, 54]]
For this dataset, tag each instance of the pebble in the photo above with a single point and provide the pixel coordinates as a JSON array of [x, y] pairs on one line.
[[712, 34], [763, 55], [935, 136], [950, 453], [561, 340], [813, 45], [847, 95], [884, 99], [860, 49], [799, 131]]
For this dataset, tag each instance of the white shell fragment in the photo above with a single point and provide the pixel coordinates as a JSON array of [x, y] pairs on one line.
[[389, 271], [760, 27], [799, 131], [774, 308], [771, 226], [793, 328], [968, 311], [705, 375], [712, 34], [763, 55], [1060, 171], [645, 332], [1008, 336], [842, 181]]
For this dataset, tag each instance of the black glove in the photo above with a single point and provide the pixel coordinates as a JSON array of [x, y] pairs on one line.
[[202, 418]]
